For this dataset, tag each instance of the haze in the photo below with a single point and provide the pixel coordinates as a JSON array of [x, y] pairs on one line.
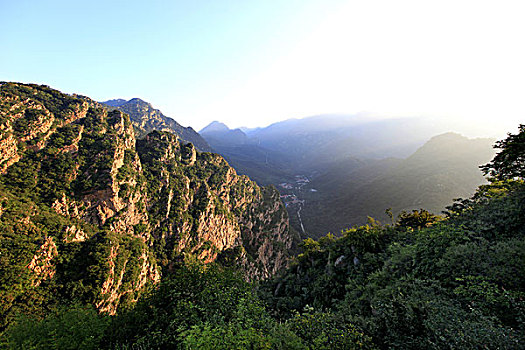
[[251, 63]]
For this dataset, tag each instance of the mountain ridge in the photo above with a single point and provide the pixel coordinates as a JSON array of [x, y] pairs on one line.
[[146, 118], [89, 212]]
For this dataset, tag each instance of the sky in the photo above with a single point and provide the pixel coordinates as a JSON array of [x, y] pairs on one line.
[[252, 63]]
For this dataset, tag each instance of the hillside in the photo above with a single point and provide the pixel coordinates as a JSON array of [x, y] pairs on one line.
[[444, 168], [89, 213], [145, 119], [420, 283]]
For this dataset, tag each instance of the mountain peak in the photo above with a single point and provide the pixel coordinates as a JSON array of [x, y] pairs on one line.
[[215, 126], [454, 145], [115, 102], [138, 101]]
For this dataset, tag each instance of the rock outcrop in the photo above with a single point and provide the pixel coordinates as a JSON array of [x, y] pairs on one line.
[[82, 194]]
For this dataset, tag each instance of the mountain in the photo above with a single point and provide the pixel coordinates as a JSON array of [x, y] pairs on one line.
[[315, 142], [115, 103], [145, 119], [214, 126], [90, 213], [335, 170], [444, 168], [261, 164], [218, 134]]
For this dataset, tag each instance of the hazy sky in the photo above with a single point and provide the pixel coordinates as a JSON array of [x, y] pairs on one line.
[[255, 62]]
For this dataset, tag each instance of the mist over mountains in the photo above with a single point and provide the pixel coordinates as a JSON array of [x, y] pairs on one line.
[[444, 168], [335, 170]]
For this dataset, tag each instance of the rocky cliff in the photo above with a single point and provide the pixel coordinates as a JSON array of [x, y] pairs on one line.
[[145, 119], [88, 212]]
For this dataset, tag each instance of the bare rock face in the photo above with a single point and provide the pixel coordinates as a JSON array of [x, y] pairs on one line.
[[216, 210], [120, 211], [42, 262]]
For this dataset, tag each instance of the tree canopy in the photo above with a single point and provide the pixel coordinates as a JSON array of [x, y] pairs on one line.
[[509, 163]]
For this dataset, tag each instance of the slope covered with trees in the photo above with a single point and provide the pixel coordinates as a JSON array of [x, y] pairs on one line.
[[421, 282], [425, 282], [89, 214]]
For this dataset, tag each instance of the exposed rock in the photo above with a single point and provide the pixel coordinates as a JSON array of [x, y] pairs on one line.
[[74, 234], [8, 152], [134, 207], [113, 289], [42, 262]]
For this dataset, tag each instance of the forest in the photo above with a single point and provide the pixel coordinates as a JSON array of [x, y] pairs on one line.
[[420, 281]]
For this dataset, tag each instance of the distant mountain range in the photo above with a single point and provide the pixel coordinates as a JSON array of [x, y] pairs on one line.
[[219, 134], [355, 166], [311, 143], [146, 118], [264, 165]]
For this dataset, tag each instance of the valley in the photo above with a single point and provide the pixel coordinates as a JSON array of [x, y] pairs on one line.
[[292, 197], [333, 172]]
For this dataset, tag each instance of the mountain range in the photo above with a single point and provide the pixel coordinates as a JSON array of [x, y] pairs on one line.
[[443, 169], [335, 170], [113, 241]]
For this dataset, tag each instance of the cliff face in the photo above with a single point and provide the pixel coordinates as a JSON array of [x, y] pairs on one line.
[[88, 212], [145, 119], [201, 206]]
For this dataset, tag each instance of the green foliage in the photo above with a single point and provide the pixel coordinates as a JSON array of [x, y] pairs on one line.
[[200, 307], [509, 163], [251, 328], [189, 296], [454, 283], [325, 330], [417, 219], [420, 314], [77, 327]]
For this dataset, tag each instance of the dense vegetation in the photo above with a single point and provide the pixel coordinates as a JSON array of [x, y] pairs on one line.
[[419, 282], [423, 283]]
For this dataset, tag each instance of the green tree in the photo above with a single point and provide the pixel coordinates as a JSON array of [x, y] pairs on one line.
[[417, 219], [77, 327], [509, 163]]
